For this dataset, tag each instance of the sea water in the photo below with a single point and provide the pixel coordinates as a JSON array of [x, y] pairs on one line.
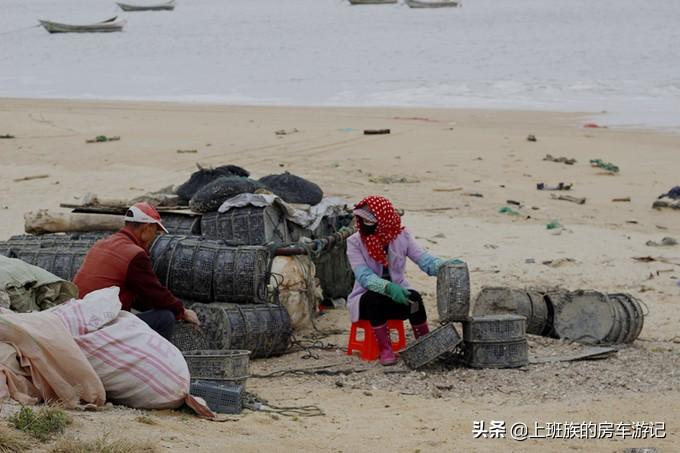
[[618, 56]]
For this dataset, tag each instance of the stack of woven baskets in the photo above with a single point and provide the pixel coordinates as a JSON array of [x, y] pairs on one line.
[[494, 335], [219, 377]]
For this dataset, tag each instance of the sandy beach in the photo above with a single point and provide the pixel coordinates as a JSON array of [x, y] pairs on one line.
[[444, 156]]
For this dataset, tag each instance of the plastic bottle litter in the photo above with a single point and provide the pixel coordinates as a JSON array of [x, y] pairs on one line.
[[599, 163], [553, 225], [508, 210]]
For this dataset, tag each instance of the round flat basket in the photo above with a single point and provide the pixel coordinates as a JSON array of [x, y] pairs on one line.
[[640, 315], [493, 300], [584, 316], [627, 323], [453, 292], [431, 346], [634, 309], [617, 327], [539, 313], [494, 328], [189, 337], [510, 354], [217, 365]]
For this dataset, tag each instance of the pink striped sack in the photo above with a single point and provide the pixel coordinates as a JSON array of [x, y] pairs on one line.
[[137, 366]]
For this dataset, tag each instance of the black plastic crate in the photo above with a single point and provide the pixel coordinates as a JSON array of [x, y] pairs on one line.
[[222, 398]]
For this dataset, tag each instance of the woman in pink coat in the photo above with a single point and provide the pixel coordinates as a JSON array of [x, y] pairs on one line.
[[377, 254]]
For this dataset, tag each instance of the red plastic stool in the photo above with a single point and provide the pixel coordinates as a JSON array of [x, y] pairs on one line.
[[368, 346]]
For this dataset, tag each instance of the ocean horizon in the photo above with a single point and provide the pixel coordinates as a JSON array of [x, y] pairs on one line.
[[619, 57]]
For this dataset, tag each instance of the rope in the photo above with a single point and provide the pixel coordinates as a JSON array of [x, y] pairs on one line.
[[314, 370], [256, 403], [314, 344], [19, 29]]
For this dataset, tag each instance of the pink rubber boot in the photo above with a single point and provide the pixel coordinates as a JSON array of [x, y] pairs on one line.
[[420, 330], [382, 334]]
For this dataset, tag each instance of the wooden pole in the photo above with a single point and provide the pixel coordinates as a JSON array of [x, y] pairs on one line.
[[44, 221]]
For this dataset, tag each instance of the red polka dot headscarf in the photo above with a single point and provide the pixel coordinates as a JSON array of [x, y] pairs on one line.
[[388, 226]]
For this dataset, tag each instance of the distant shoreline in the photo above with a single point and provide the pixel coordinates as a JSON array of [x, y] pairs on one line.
[[600, 118]]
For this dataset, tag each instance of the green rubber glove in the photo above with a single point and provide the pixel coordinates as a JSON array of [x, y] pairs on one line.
[[397, 293], [454, 261]]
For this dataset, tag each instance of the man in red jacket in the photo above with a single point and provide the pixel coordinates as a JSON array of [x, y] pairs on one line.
[[123, 260]]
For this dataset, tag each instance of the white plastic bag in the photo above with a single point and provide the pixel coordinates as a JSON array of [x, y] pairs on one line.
[[299, 290]]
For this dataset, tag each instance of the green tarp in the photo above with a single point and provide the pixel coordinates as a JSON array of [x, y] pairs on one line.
[[25, 288]]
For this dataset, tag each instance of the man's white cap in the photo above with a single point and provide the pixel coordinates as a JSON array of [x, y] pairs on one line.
[[144, 213]]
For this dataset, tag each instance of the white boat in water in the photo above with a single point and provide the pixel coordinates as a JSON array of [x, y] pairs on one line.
[[433, 3], [168, 6], [105, 26], [372, 2]]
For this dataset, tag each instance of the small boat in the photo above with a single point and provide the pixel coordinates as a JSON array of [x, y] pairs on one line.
[[432, 3], [105, 26], [168, 6], [372, 2]]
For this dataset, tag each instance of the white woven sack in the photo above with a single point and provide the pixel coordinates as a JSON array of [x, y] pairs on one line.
[[138, 367]]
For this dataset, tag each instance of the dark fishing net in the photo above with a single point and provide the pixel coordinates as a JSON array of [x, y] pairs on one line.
[[293, 189], [205, 176], [210, 197]]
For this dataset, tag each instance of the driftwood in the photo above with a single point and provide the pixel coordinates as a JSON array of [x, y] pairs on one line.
[[31, 178], [43, 221], [576, 200], [453, 189], [93, 200]]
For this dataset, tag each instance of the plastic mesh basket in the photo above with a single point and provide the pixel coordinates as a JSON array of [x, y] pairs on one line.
[[510, 354], [538, 320], [433, 345], [633, 319], [222, 398], [217, 365], [189, 337], [494, 328], [453, 292]]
